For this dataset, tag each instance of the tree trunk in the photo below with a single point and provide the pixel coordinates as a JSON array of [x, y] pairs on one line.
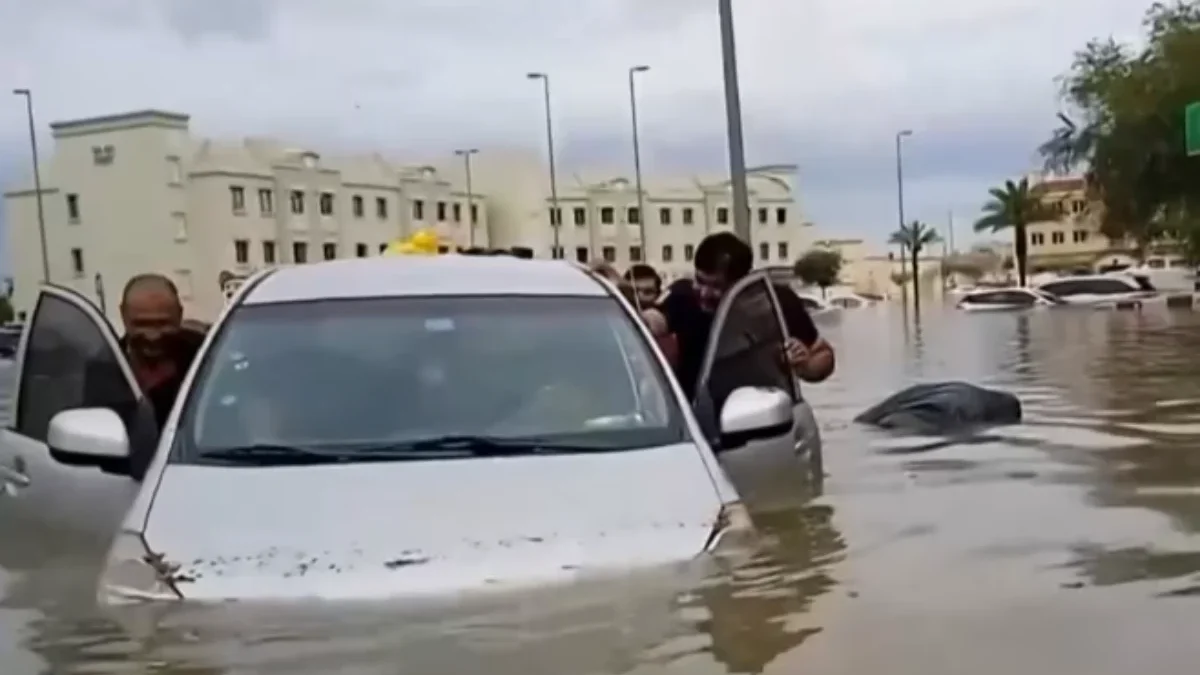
[[916, 252], [1020, 252], [903, 264]]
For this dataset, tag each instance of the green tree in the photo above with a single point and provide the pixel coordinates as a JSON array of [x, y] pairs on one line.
[[819, 267], [6, 309], [913, 238], [1014, 206], [1125, 127]]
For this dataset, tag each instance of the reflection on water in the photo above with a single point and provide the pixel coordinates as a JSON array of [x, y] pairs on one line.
[[1067, 544]]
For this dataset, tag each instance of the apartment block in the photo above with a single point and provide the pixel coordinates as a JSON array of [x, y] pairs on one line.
[[139, 192], [1073, 240]]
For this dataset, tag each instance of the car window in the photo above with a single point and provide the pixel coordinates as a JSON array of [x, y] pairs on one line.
[[999, 298], [748, 347], [1064, 288], [1143, 283], [347, 373], [69, 363]]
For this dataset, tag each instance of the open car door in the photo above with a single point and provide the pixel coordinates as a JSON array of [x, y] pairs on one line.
[[746, 349], [51, 505]]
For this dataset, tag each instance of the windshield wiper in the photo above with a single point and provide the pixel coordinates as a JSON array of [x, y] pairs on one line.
[[270, 453], [477, 446]]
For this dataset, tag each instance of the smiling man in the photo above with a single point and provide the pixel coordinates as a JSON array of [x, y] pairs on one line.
[[721, 261]]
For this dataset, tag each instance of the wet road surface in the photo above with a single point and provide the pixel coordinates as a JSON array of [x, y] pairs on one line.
[[1065, 545]]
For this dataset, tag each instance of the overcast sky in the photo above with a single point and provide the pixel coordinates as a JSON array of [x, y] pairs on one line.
[[825, 83]]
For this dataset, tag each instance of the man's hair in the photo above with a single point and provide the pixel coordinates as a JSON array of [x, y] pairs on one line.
[[723, 253], [643, 271], [149, 280], [627, 291]]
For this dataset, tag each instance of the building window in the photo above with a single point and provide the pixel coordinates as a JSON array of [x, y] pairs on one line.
[[689, 252], [609, 253], [474, 214], [418, 210], [1077, 206], [360, 250], [174, 171], [667, 253], [783, 250], [1079, 236], [1037, 239], [77, 261], [607, 215], [241, 251], [237, 199], [722, 215], [383, 247], [580, 216], [689, 216], [581, 254], [183, 283], [329, 251], [456, 212], [357, 209], [664, 216], [555, 217], [441, 212], [268, 250], [781, 216], [299, 252], [73, 208], [635, 254], [381, 210], [557, 253], [266, 202], [297, 200], [181, 228], [764, 251], [633, 216], [1057, 238], [762, 216], [326, 203]]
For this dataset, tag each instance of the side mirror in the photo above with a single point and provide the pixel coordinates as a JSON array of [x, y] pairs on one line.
[[751, 413], [88, 436]]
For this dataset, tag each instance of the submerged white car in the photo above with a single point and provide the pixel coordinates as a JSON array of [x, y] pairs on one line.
[[399, 427], [1003, 299]]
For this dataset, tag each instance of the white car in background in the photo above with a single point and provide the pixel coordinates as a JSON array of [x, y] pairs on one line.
[[851, 301], [1006, 299], [397, 428], [1099, 290]]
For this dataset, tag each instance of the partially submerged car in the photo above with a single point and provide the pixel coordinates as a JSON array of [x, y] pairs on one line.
[[400, 427], [1004, 299]]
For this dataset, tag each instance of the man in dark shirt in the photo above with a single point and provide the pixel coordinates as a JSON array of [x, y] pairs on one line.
[[646, 283], [721, 260]]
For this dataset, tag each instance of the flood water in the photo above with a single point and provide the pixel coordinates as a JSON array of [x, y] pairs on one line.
[[1065, 545]]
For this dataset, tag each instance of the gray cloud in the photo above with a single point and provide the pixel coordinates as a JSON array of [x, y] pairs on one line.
[[826, 83]]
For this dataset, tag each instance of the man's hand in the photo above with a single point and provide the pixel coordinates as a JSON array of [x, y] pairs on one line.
[[811, 364]]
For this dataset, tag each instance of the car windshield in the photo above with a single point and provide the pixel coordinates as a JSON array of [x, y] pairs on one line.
[[401, 373]]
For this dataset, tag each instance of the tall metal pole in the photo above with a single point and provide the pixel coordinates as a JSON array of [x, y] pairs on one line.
[[900, 135], [555, 211], [37, 181], [733, 123], [637, 160], [466, 155], [950, 231]]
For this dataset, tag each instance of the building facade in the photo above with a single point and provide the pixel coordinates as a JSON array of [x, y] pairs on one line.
[[138, 192], [1073, 240]]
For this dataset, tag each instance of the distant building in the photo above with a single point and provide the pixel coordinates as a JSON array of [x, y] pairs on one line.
[[1073, 240], [137, 192]]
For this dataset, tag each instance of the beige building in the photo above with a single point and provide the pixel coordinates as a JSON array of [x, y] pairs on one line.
[[137, 192], [873, 271], [1074, 240]]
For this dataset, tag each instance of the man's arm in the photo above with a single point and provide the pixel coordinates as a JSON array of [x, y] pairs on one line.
[[814, 360]]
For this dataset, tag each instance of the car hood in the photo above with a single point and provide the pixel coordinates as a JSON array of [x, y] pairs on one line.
[[428, 527]]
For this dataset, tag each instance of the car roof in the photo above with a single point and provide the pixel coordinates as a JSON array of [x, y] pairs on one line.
[[412, 276], [991, 291]]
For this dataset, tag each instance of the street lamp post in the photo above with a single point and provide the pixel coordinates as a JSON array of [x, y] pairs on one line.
[[637, 160], [466, 155], [733, 123], [900, 136], [37, 181], [555, 212]]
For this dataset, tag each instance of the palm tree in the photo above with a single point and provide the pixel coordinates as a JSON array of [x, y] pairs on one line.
[[913, 238], [1014, 205]]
